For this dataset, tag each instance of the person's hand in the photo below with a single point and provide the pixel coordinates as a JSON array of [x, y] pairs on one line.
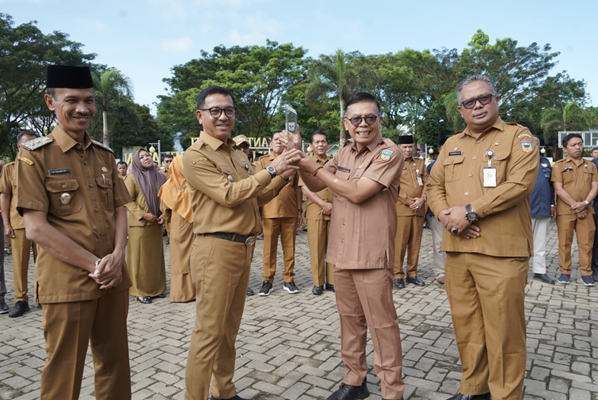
[[326, 208], [299, 218], [290, 141], [471, 232], [287, 174], [287, 160], [418, 204], [307, 164], [8, 231], [109, 273], [582, 214], [454, 218], [552, 212], [578, 207], [149, 217], [160, 219]]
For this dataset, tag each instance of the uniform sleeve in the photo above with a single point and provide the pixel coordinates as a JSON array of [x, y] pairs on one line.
[[204, 176], [120, 194], [5, 184], [384, 171], [31, 190], [133, 191], [557, 173], [425, 177], [594, 172], [435, 187], [332, 165], [522, 170]]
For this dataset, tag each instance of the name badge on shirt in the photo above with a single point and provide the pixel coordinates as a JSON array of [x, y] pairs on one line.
[[343, 169], [59, 171], [455, 153], [419, 181], [490, 177]]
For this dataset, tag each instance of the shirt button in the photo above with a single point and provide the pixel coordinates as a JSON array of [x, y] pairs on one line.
[[474, 157], [466, 194], [90, 185], [101, 233], [470, 175], [96, 209], [63, 186], [343, 224], [478, 142], [342, 241], [84, 162]]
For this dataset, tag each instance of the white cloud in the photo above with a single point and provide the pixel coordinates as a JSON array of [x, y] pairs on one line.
[[239, 39], [179, 45]]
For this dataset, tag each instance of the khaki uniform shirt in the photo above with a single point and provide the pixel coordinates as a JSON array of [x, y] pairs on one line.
[[225, 190], [410, 188], [8, 186], [138, 207], [78, 187], [362, 235], [577, 181], [313, 212], [504, 210], [285, 204]]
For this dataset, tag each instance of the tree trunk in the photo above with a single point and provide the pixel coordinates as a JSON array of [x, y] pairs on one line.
[[342, 126], [105, 136]]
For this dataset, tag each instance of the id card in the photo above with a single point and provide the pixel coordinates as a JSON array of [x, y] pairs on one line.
[[419, 181], [490, 177]]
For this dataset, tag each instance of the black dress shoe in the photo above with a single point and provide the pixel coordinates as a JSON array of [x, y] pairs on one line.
[[249, 291], [399, 283], [544, 278], [144, 299], [416, 281], [318, 290], [20, 308], [348, 392], [236, 397], [460, 396], [330, 287]]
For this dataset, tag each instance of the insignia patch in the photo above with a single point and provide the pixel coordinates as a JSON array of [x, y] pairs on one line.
[[28, 161], [65, 198], [526, 146], [198, 159], [59, 171], [102, 146], [524, 135], [496, 143], [385, 155], [37, 143], [455, 153], [104, 169]]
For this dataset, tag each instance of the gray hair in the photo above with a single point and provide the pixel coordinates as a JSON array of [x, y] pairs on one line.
[[26, 133], [474, 78]]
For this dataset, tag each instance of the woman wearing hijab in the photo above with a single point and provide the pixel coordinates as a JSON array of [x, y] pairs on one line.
[[176, 208], [145, 253]]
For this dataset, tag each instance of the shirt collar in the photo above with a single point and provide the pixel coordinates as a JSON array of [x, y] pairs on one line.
[[569, 159], [215, 143], [371, 147], [66, 142], [498, 124]]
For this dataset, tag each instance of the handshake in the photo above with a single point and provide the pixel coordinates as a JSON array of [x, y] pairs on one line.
[[292, 159]]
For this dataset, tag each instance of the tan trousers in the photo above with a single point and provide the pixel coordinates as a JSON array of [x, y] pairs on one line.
[[585, 229], [318, 231], [439, 255], [288, 231], [220, 272], [20, 263], [68, 328], [364, 300], [409, 236], [486, 295]]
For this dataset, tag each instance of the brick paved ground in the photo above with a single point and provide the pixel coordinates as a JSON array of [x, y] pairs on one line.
[[289, 345]]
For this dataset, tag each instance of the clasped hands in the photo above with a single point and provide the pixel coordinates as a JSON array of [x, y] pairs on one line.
[[580, 209], [108, 273], [454, 218]]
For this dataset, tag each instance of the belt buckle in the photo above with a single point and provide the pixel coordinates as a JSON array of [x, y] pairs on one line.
[[249, 240]]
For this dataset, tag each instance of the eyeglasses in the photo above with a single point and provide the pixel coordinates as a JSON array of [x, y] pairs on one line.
[[216, 112], [369, 119], [483, 99]]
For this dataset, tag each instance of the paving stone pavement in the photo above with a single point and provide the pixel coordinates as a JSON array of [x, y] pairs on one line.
[[289, 345]]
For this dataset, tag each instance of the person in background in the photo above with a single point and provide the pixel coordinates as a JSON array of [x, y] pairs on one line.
[[542, 211], [595, 246], [122, 167], [166, 160], [594, 153], [14, 227], [145, 252], [3, 306], [439, 255], [176, 208]]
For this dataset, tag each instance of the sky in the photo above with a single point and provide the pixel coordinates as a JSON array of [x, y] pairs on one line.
[[145, 38]]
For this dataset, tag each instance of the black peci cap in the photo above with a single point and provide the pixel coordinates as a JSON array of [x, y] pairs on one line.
[[406, 139], [68, 76]]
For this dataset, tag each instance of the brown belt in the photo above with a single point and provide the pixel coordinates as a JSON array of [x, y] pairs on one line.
[[233, 237]]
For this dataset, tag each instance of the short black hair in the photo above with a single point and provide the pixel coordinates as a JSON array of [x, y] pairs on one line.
[[569, 137], [274, 133], [121, 163], [595, 148], [51, 92], [318, 132], [26, 133], [361, 97], [442, 141], [201, 97], [167, 156]]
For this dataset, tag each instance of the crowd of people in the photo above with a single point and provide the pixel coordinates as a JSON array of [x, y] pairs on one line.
[[488, 198]]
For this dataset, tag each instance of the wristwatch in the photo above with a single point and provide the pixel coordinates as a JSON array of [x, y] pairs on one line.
[[471, 215], [271, 170], [587, 203]]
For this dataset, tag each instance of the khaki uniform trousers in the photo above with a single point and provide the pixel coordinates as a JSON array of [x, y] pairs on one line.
[[409, 236], [439, 255], [20, 263], [288, 231], [68, 328], [585, 229], [486, 295], [364, 300], [318, 231], [220, 273], [540, 231]]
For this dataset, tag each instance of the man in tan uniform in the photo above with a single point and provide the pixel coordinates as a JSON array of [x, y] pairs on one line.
[[575, 182], [411, 211], [479, 189], [73, 207], [317, 213], [226, 194], [14, 227], [280, 216], [364, 176]]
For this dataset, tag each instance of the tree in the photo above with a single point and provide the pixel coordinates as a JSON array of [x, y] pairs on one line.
[[110, 86], [25, 53], [568, 117], [338, 76]]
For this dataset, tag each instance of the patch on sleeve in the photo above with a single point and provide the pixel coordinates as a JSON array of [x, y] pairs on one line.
[[198, 159], [385, 155], [524, 135], [37, 143], [24, 159], [526, 145]]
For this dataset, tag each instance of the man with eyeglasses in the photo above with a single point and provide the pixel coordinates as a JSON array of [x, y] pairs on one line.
[[166, 161], [575, 182], [479, 189], [226, 194], [364, 177], [411, 211]]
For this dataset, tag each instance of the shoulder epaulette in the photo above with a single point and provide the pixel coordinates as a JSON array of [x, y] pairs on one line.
[[516, 124], [101, 145], [37, 143]]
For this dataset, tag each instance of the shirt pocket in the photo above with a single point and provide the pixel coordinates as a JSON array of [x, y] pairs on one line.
[[227, 171], [568, 177], [453, 168], [587, 177], [64, 196], [106, 193], [500, 161]]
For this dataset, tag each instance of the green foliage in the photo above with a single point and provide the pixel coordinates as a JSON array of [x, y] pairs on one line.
[[111, 87]]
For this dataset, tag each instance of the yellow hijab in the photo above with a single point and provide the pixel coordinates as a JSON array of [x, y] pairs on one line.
[[175, 193]]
